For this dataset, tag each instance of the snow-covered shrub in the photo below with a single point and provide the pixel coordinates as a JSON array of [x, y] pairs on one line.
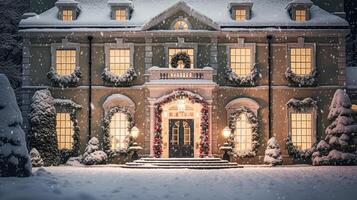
[[246, 81], [65, 81], [36, 159], [119, 81], [93, 155], [74, 161], [42, 135], [273, 153], [301, 81], [14, 157], [339, 146]]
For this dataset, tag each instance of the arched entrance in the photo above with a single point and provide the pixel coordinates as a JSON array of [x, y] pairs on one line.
[[181, 125]]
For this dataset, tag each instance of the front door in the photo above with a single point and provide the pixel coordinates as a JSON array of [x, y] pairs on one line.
[[181, 138]]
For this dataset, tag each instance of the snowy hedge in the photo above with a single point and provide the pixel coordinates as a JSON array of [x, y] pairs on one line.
[[42, 135], [65, 81], [119, 81], [301, 81], [14, 157], [253, 120], [246, 81]]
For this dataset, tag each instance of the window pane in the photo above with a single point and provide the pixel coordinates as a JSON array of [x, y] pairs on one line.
[[240, 14], [300, 61], [67, 15], [120, 14], [301, 130], [119, 61], [243, 134], [118, 130], [173, 51], [65, 62], [64, 130], [240, 59], [181, 25], [300, 15]]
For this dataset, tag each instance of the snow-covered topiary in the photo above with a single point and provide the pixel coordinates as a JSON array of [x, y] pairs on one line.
[[14, 157], [273, 153], [93, 155], [301, 81], [246, 81], [65, 81], [36, 159], [339, 146], [42, 135], [74, 161], [119, 81]]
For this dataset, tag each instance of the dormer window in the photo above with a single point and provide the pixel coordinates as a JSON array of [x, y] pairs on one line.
[[120, 9], [241, 11], [181, 25], [299, 10], [68, 10]]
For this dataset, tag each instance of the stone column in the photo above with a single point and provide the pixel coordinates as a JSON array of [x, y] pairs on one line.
[[214, 53], [25, 96], [342, 61], [148, 53], [210, 136], [152, 125]]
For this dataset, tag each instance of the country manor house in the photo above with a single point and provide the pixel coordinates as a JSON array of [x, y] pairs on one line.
[[182, 71]]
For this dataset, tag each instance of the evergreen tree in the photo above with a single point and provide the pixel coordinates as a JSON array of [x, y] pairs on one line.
[[14, 158], [36, 159], [339, 146], [43, 135], [92, 154], [273, 153]]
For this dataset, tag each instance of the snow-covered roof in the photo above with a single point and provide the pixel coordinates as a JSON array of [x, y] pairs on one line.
[[265, 13]]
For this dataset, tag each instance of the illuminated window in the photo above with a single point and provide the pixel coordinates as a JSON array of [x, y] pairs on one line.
[[120, 14], [301, 130], [119, 130], [241, 62], [181, 25], [65, 62], [119, 61], [241, 14], [186, 133], [301, 60], [243, 133], [64, 129], [181, 65], [300, 15], [175, 133], [354, 107], [67, 15]]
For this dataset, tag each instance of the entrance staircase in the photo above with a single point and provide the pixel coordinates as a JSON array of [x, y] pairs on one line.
[[181, 163]]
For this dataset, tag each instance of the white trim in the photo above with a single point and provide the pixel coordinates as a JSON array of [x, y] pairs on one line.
[[249, 103], [301, 44], [120, 44], [65, 45], [242, 44], [119, 100], [180, 45]]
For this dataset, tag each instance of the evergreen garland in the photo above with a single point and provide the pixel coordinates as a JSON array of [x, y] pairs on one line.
[[301, 81], [64, 81], [247, 81], [106, 124], [114, 80], [253, 120], [184, 57]]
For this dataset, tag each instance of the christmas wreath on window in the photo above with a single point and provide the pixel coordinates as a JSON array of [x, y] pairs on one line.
[[309, 80], [300, 106], [65, 81], [72, 108], [253, 120], [106, 136], [181, 56], [119, 81], [240, 81]]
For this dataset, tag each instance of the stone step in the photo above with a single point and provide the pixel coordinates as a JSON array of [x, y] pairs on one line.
[[182, 164], [181, 159], [189, 162], [179, 167]]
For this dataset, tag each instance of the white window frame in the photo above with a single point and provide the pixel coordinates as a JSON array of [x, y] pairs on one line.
[[241, 44], [302, 44], [118, 45], [180, 45], [65, 45]]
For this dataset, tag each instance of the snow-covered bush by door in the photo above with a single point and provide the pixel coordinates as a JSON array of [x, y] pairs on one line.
[[339, 146], [14, 157], [92, 154], [273, 153], [42, 134], [36, 159]]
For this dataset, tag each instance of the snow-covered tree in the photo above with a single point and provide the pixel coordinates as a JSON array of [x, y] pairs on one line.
[[42, 134], [14, 157], [273, 153], [36, 159], [92, 154], [339, 146]]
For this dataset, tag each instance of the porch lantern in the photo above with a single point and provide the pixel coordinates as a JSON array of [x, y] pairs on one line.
[[135, 147], [226, 147]]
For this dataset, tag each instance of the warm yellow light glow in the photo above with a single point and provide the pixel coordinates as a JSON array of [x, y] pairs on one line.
[[241, 62], [173, 51], [354, 107], [119, 61], [301, 60], [181, 25], [301, 130], [64, 130], [243, 134], [120, 15], [241, 14], [226, 132], [118, 130], [300, 15], [134, 132], [65, 62], [181, 105], [67, 15]]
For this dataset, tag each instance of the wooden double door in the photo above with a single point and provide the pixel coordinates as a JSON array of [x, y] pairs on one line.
[[181, 138]]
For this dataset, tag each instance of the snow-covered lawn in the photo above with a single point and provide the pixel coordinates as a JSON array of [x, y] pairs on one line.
[[106, 183]]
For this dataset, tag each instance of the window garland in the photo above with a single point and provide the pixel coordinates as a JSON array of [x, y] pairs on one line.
[[65, 81], [301, 81], [246, 81], [119, 81], [256, 137]]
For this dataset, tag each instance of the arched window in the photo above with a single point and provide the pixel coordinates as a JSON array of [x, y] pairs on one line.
[[118, 130], [181, 25], [243, 133]]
